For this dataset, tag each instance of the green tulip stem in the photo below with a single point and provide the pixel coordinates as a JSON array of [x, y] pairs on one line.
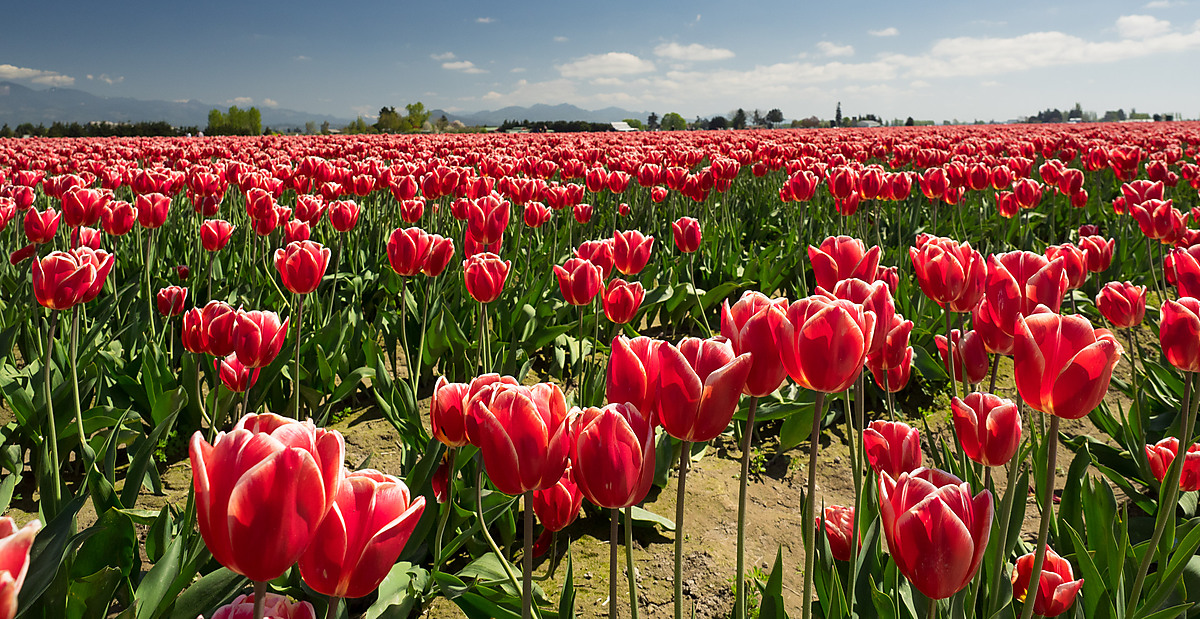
[[857, 455], [1162, 298], [933, 604], [51, 510], [739, 604], [452, 458], [512, 577], [85, 453], [260, 599], [684, 454], [810, 504], [527, 560], [337, 263], [1166, 509], [613, 536], [951, 363], [212, 257], [696, 293], [1005, 513], [296, 374], [580, 375], [416, 372], [402, 317], [995, 366], [331, 612], [482, 334], [1138, 454], [629, 569], [1047, 513]]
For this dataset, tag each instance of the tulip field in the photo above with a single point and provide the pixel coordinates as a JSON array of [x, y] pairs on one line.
[[502, 376]]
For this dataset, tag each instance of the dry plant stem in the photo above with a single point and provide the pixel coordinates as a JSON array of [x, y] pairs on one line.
[[739, 607], [527, 560], [1166, 510], [684, 455], [614, 515], [629, 570], [260, 599], [810, 505], [1047, 513]]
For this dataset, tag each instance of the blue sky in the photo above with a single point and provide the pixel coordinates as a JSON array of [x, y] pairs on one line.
[[930, 60]]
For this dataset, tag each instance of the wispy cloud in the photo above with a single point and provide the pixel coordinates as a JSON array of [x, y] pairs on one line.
[[1164, 4], [1141, 26], [301, 58], [830, 48], [37, 76], [484, 20], [561, 39], [240, 101], [443, 57], [517, 70], [269, 102], [602, 65], [890, 31], [107, 79], [466, 66], [694, 52]]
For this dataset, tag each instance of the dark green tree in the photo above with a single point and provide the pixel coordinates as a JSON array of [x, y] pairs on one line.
[[673, 122], [759, 120], [837, 117], [908, 122], [652, 122], [774, 116], [718, 122], [5, 131], [739, 119]]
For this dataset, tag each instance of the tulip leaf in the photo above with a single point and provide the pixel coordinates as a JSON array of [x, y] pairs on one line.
[[566, 598], [91, 595], [6, 490], [930, 368], [1175, 566], [643, 517], [772, 595], [796, 429], [883, 603], [1167, 613], [205, 596], [155, 584], [141, 460], [49, 547], [113, 545], [1092, 596], [158, 536], [399, 592]]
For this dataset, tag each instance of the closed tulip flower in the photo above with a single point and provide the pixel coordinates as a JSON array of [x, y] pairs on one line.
[[15, 543], [485, 274], [557, 506], [257, 338], [215, 234], [687, 234], [1057, 586], [1063, 365], [891, 363], [171, 300], [118, 217], [936, 531], [407, 250], [950, 273], [411, 210], [84, 236], [310, 208], [839, 530], [343, 215], [536, 214], [1098, 252], [152, 209], [302, 265], [441, 250], [275, 606], [1179, 333], [62, 280], [750, 326], [1163, 453], [1122, 304], [1182, 269], [83, 207], [631, 251], [263, 489], [1019, 281], [296, 231], [579, 280], [988, 427], [356, 545], [582, 212], [487, 218], [842, 257], [235, 376], [599, 253], [969, 351], [622, 300], [824, 342], [892, 447], [41, 226], [183, 272], [633, 372], [1074, 263], [523, 434], [658, 195], [448, 407], [613, 454], [699, 384]]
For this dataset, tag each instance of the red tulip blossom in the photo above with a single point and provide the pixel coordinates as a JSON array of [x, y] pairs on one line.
[[631, 251], [622, 300], [485, 274], [183, 272], [83, 207], [118, 217], [1182, 268], [750, 326], [171, 300], [441, 250], [209, 330], [699, 384], [448, 407], [235, 376], [487, 218], [302, 265], [215, 234], [62, 280], [658, 195], [1074, 263], [1057, 587], [296, 231], [1140, 191], [936, 531], [356, 545], [1098, 252], [257, 337], [1156, 218], [523, 433], [411, 210], [537, 214], [1063, 365], [969, 351], [892, 447], [839, 530], [842, 257], [84, 236], [557, 506], [41, 226], [633, 372], [824, 342], [1122, 304], [23, 254], [152, 209], [950, 273], [612, 454], [15, 544], [1027, 192], [1179, 333], [988, 427], [310, 208], [687, 234], [1019, 281], [891, 363], [600, 253], [343, 215], [263, 489], [407, 250], [1163, 453]]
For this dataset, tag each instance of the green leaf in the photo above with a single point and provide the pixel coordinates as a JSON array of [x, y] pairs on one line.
[[566, 598], [796, 429], [114, 545], [141, 460], [6, 490], [48, 550], [399, 592], [643, 517], [91, 595], [205, 596], [772, 598], [157, 582]]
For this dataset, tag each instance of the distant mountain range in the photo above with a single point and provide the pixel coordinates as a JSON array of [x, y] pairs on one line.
[[21, 104]]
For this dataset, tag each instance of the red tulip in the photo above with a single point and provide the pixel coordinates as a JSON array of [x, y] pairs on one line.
[[296, 231], [699, 384], [839, 530], [448, 407], [275, 607], [302, 265], [892, 447], [935, 531], [950, 273], [824, 342], [583, 212], [1063, 365], [1027, 192], [969, 351], [523, 433], [183, 272], [485, 274], [358, 542], [612, 454], [215, 234], [257, 337], [343, 215], [441, 250], [1019, 281], [171, 300], [15, 544], [23, 254], [209, 330], [152, 209], [750, 326], [118, 217], [235, 376], [1179, 333], [310, 208], [988, 427], [1122, 304], [557, 506], [1140, 191], [1182, 268], [1074, 263], [537, 214], [631, 251], [84, 236], [407, 250], [487, 218], [579, 280], [63, 279], [1098, 251], [687, 234], [842, 257], [599, 253], [23, 196], [1156, 218], [875, 298], [1163, 453], [1056, 587], [622, 300], [658, 195], [891, 362], [411, 210], [83, 207], [40, 227], [633, 372], [263, 489]]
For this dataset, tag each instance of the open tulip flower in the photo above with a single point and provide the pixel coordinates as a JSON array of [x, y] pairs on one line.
[[843, 257], [62, 280], [1163, 453], [633, 372], [988, 427], [263, 489], [600, 253], [839, 530], [1063, 365], [15, 543], [1057, 586], [699, 384], [356, 545], [892, 447], [448, 407], [824, 342], [41, 226], [1122, 304], [1075, 263], [275, 606], [302, 265], [631, 251], [83, 207], [522, 432], [612, 454], [949, 272], [936, 531]]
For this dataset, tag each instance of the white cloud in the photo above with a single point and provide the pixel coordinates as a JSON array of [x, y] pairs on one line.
[[830, 48], [1141, 26], [599, 65], [466, 66], [693, 52], [268, 102], [492, 96], [890, 31], [107, 79], [1164, 4], [484, 20], [561, 39], [517, 70], [301, 58], [444, 56], [37, 76], [240, 101]]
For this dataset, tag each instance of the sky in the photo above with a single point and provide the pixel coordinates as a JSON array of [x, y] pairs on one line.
[[929, 60]]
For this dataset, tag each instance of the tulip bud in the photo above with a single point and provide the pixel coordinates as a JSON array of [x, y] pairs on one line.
[[215, 234], [523, 434], [485, 274], [557, 506], [687, 234], [343, 215], [1163, 453], [1122, 304], [968, 351], [839, 530], [302, 265], [1063, 365], [988, 427], [235, 376], [171, 300], [622, 300]]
